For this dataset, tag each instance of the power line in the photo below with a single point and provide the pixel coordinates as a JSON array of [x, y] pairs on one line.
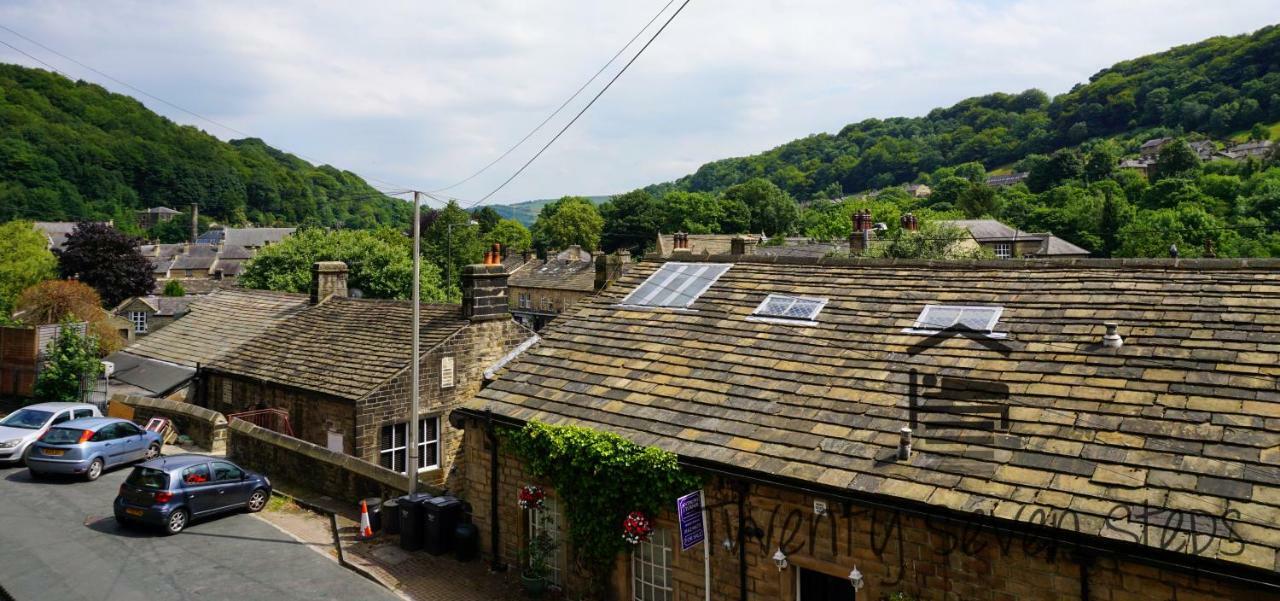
[[584, 109], [563, 104], [24, 53]]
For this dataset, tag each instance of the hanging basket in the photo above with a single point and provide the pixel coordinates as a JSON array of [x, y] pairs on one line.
[[532, 497], [636, 528]]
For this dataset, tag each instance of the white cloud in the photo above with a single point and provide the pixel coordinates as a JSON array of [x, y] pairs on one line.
[[422, 94]]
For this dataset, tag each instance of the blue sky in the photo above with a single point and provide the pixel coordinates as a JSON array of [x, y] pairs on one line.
[[421, 94]]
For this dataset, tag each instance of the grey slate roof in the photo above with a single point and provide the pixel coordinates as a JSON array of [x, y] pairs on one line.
[[256, 236], [1184, 417], [216, 324], [152, 375], [344, 347], [573, 269]]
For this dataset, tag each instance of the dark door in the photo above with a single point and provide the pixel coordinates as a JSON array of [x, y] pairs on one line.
[[232, 486], [816, 586]]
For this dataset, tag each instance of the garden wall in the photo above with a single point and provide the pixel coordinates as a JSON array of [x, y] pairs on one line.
[[207, 428]]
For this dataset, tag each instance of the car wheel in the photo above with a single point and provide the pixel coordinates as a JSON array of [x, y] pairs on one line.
[[26, 454], [153, 451], [95, 470], [177, 521], [257, 500]]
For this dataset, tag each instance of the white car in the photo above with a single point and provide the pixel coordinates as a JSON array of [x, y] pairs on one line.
[[22, 427]]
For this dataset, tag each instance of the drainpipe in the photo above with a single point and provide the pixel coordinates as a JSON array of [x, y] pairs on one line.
[[1085, 561], [742, 541], [496, 565]]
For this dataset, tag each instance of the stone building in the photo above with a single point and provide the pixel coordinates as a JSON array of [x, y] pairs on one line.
[[976, 430], [1007, 242], [149, 218], [340, 368], [542, 289], [147, 314]]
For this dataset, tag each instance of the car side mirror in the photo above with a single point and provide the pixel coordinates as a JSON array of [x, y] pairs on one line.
[[244, 475]]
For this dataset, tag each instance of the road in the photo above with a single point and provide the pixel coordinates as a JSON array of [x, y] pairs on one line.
[[59, 541]]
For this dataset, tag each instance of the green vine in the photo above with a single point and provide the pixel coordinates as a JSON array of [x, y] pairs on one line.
[[599, 478]]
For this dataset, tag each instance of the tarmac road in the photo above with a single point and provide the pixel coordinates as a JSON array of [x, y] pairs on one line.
[[59, 541]]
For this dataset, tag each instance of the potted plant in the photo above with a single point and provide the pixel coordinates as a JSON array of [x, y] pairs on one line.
[[535, 557]]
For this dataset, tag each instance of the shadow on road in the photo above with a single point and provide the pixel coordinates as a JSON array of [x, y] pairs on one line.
[[24, 475], [109, 525]]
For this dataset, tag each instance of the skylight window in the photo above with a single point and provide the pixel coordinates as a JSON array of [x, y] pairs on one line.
[[676, 285], [935, 318], [789, 308]]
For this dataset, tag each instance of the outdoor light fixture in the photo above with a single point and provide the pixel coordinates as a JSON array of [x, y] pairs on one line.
[[855, 578], [728, 543], [780, 560]]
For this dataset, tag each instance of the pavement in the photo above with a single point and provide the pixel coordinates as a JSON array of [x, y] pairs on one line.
[[59, 541]]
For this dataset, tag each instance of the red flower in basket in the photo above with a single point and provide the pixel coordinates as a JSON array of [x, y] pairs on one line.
[[531, 497], [636, 528]]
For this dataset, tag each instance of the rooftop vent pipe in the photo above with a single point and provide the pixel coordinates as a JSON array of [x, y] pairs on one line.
[[1112, 338], [904, 443]]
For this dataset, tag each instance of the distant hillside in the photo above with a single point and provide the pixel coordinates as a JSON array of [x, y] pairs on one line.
[[1220, 86], [526, 212], [72, 150]]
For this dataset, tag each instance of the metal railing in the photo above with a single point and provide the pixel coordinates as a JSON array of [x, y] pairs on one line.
[[276, 420]]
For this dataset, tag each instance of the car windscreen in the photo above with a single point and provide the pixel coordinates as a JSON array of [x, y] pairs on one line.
[[62, 436], [29, 419], [148, 478]]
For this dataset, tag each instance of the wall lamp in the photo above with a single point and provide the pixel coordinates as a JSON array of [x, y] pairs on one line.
[[780, 560]]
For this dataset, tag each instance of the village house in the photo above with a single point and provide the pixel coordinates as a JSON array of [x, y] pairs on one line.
[[164, 363], [57, 231], [1007, 242], [541, 289], [1009, 179], [149, 218], [980, 430], [252, 238], [1251, 149], [337, 372], [147, 314]]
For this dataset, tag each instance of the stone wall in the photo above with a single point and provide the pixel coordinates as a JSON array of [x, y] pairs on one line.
[[311, 415], [312, 468], [932, 560], [473, 349], [207, 428]]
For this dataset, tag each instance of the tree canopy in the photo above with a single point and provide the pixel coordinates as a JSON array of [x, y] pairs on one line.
[[107, 259], [25, 261], [568, 221]]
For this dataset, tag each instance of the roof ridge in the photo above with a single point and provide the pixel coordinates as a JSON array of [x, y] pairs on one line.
[[1118, 264]]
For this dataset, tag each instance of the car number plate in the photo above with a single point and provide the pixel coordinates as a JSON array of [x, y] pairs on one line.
[[133, 511], [53, 452]]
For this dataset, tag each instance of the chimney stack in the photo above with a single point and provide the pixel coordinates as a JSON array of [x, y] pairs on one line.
[[860, 239], [738, 245], [328, 278], [195, 221], [909, 222], [484, 289], [610, 267]]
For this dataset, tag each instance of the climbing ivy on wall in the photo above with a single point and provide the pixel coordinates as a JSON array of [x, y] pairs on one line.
[[599, 478]]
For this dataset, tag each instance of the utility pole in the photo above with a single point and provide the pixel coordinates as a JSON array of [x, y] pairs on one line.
[[412, 429]]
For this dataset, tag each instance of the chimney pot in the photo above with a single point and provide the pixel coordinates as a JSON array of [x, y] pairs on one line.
[[1112, 338], [328, 278]]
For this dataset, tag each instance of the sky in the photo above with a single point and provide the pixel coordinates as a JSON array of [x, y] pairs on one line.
[[420, 95]]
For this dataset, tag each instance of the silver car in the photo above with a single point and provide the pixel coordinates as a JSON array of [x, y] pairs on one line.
[[87, 446], [22, 427]]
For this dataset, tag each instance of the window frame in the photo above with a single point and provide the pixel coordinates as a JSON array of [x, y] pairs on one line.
[[644, 585], [551, 518], [1007, 247], [920, 326], [672, 270], [139, 320], [759, 315], [213, 469], [400, 444], [208, 472]]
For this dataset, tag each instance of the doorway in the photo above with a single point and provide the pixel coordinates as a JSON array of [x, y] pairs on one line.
[[816, 586]]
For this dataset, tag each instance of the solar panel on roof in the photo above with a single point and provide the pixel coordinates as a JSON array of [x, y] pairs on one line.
[[972, 317], [782, 306], [676, 285]]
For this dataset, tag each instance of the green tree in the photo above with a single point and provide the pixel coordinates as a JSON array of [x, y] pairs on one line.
[[380, 263], [1259, 131], [1176, 159], [1102, 162], [105, 258], [978, 200], [773, 212], [631, 221], [25, 261], [931, 241], [174, 288], [568, 221], [487, 217], [72, 361], [511, 234], [451, 242]]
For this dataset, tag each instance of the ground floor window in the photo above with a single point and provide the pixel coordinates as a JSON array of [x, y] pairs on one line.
[[547, 521], [393, 446], [651, 568]]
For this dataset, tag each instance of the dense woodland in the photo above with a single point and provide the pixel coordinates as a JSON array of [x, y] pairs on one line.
[[1225, 88], [72, 150]]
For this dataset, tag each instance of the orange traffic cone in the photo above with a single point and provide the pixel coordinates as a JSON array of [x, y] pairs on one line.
[[366, 531]]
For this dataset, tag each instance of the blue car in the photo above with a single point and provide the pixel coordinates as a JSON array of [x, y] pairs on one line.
[[88, 446], [171, 491]]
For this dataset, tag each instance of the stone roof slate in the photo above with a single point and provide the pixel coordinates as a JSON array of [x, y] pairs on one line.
[[344, 347], [1184, 417], [217, 324]]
